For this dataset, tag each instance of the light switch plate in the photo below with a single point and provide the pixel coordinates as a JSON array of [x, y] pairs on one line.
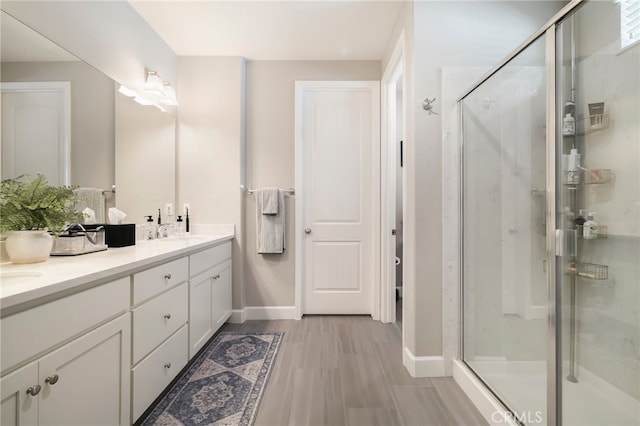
[[168, 209]]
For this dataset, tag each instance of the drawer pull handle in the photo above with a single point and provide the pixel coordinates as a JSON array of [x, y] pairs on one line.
[[34, 390], [167, 365], [216, 277], [52, 380], [167, 316], [167, 277]]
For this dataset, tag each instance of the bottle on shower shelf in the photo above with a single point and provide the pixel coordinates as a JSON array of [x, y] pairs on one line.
[[580, 221], [590, 227], [573, 167]]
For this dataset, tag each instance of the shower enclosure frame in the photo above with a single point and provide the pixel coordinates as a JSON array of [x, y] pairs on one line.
[[554, 236]]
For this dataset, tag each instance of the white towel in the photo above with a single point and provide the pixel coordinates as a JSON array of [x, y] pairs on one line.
[[268, 198], [92, 198], [270, 228]]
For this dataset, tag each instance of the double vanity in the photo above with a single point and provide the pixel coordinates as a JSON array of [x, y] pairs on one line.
[[95, 339]]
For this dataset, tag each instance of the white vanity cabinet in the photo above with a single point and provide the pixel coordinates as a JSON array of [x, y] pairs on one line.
[[160, 341], [70, 383], [100, 350], [209, 294]]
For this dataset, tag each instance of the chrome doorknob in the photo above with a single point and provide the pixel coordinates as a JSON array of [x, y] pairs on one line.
[[307, 231]]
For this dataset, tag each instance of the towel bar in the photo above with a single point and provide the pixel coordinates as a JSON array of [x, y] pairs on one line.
[[289, 191]]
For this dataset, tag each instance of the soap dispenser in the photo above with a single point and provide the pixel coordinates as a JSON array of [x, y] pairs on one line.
[[179, 226], [150, 229]]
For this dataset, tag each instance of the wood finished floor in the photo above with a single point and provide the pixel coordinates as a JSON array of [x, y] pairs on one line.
[[347, 370]]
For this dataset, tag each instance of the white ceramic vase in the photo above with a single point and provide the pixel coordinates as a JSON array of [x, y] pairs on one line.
[[28, 246]]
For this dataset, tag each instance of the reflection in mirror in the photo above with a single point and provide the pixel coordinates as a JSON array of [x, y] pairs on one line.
[[145, 159], [61, 117], [57, 112]]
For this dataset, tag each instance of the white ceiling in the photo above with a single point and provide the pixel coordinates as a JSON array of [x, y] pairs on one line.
[[274, 30]]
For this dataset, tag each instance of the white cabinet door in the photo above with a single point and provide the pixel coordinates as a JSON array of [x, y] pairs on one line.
[[86, 382], [19, 408], [201, 312], [221, 294]]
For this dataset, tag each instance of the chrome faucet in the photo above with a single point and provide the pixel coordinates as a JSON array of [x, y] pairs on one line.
[[162, 231]]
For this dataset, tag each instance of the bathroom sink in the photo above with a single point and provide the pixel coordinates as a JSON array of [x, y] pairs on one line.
[[17, 277]]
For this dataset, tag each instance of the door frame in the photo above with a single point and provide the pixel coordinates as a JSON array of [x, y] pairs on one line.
[[64, 88], [393, 74], [309, 86]]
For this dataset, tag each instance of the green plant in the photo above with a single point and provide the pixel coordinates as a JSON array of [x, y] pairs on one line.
[[29, 202]]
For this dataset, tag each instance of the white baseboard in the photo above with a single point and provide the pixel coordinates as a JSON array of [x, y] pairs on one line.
[[423, 366], [490, 408], [239, 316]]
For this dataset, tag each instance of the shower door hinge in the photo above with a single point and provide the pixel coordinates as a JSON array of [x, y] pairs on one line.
[[559, 242]]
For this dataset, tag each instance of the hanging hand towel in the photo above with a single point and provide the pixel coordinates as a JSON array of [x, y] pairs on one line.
[[270, 228], [92, 198], [268, 198]]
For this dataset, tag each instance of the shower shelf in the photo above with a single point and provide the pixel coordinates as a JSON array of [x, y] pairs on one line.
[[602, 232], [587, 177], [591, 271]]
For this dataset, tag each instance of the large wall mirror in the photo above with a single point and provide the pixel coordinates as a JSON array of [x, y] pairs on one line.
[[63, 118]]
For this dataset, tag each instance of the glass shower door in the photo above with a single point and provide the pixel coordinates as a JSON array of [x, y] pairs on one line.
[[504, 233], [599, 210]]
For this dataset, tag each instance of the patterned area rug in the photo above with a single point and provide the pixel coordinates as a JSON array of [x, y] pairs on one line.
[[224, 385]]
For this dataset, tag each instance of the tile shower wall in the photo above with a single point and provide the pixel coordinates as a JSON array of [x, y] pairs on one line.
[[608, 342]]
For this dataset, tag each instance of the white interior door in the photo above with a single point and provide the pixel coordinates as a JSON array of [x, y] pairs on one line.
[[35, 130], [338, 178]]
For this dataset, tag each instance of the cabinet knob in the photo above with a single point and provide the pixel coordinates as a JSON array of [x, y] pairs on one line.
[[52, 380], [307, 231], [34, 390], [167, 365], [167, 277], [167, 316]]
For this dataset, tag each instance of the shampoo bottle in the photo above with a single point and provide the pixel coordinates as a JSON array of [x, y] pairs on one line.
[[590, 227], [579, 221], [573, 174], [568, 125]]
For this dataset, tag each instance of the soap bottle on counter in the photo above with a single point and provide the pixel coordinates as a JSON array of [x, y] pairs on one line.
[[150, 229], [179, 226]]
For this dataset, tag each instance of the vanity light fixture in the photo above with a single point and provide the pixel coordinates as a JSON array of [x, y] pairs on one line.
[[158, 89]]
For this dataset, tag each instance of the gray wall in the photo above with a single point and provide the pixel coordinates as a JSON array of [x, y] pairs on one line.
[[269, 279], [92, 116], [210, 146]]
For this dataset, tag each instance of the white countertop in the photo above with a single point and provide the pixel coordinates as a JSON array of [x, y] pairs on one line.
[[29, 282]]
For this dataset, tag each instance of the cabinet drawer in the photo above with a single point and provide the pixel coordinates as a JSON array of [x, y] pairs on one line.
[[156, 371], [201, 261], [158, 319], [30, 332], [147, 284]]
